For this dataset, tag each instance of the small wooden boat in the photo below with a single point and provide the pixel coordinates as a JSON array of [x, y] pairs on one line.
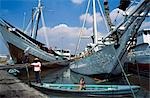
[[91, 90]]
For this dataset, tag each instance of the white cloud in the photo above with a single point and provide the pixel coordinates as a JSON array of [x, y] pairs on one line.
[[63, 29], [64, 36], [89, 22], [89, 19], [116, 16], [77, 1]]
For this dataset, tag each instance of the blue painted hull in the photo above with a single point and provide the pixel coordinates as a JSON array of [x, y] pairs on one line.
[[91, 90]]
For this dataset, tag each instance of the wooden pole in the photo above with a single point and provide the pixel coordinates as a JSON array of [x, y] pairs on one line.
[[28, 75]]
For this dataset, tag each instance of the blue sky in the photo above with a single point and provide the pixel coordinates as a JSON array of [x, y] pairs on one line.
[[55, 11], [63, 19]]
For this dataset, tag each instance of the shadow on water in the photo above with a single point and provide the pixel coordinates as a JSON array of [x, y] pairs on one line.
[[65, 76]]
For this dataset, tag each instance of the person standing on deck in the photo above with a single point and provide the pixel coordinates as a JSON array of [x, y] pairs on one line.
[[37, 69]]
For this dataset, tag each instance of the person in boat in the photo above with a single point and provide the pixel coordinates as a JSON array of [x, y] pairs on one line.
[[37, 69], [82, 84]]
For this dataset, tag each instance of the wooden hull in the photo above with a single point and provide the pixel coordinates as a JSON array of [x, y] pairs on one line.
[[18, 42], [139, 61], [18, 54], [139, 68]]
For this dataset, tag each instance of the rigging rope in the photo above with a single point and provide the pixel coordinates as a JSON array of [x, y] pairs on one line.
[[138, 71], [83, 25], [43, 23], [135, 29], [30, 21], [100, 8], [115, 21], [123, 71], [80, 34]]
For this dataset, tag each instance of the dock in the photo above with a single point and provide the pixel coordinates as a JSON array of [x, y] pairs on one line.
[[11, 87]]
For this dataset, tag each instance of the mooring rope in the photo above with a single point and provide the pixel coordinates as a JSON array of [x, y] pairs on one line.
[[123, 71]]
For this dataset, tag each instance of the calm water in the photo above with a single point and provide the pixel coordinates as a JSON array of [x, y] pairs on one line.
[[64, 75]]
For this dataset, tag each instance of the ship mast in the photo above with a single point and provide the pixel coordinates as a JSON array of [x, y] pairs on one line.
[[95, 38], [37, 18], [106, 10]]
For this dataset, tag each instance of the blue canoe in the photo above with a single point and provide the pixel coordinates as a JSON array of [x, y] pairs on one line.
[[91, 90]]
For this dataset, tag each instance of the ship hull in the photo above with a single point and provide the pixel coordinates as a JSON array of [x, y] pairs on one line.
[[101, 62], [17, 44], [139, 61], [111, 58], [139, 68], [140, 57]]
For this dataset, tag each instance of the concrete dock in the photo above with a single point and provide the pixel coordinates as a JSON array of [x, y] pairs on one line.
[[11, 87]]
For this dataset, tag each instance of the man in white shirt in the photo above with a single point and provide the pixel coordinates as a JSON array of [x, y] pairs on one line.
[[37, 69]]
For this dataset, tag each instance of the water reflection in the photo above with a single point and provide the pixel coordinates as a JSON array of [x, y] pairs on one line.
[[67, 77]]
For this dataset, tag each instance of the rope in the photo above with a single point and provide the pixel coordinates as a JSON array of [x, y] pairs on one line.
[[116, 18], [83, 25], [123, 71], [138, 70], [100, 8], [136, 28], [30, 21], [44, 25]]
